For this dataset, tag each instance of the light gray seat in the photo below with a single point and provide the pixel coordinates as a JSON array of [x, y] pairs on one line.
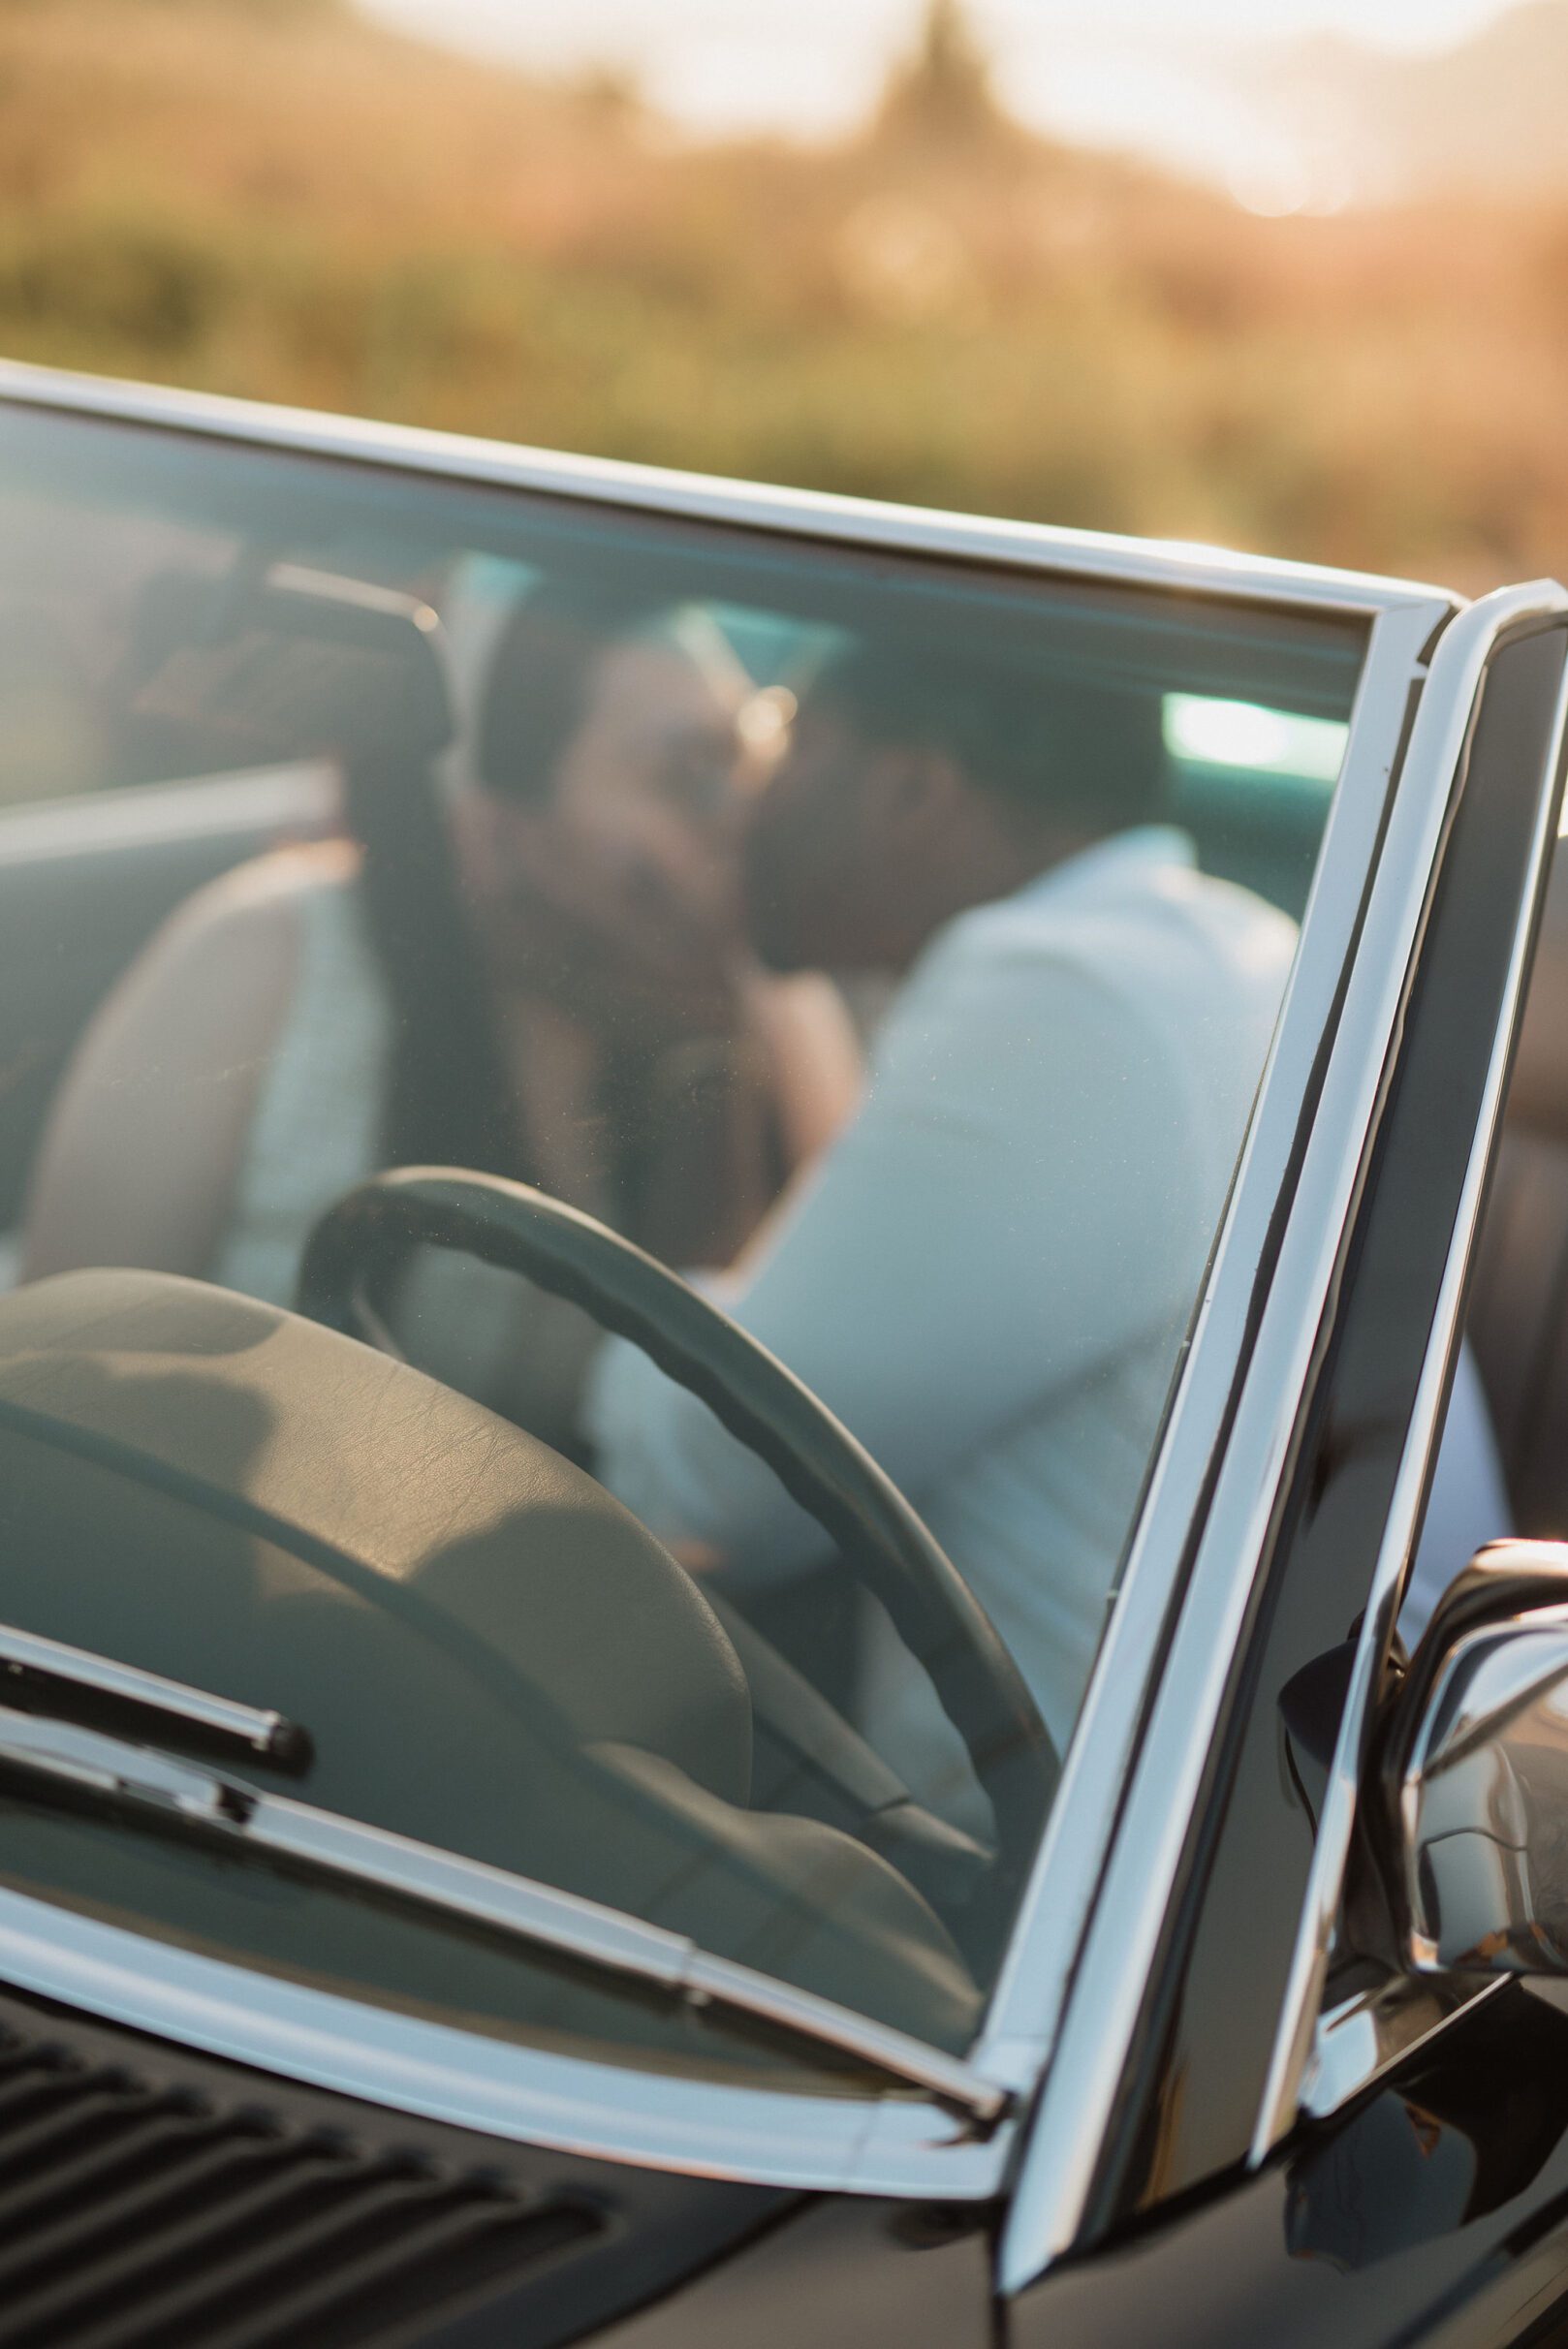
[[142, 1158]]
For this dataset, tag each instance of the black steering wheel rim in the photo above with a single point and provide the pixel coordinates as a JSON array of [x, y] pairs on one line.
[[368, 1235]]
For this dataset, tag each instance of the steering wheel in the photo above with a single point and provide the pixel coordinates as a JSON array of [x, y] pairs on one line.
[[366, 1239]]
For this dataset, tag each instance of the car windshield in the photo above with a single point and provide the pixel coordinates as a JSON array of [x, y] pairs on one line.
[[889, 946]]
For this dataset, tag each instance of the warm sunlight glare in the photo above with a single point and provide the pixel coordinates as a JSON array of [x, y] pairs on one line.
[[1206, 733]]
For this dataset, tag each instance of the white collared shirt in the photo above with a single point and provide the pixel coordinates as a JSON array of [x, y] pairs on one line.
[[989, 1276]]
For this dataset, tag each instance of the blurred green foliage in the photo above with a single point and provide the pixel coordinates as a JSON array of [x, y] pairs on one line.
[[270, 198]]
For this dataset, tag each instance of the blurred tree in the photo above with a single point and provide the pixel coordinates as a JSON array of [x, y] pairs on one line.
[[611, 95], [942, 95]]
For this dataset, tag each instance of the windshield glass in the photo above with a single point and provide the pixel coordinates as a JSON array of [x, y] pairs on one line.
[[889, 946]]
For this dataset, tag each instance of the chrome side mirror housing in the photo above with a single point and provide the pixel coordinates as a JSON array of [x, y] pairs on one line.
[[1475, 1772]]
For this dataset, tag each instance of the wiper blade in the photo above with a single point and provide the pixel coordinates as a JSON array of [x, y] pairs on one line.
[[323, 1843], [100, 1682]]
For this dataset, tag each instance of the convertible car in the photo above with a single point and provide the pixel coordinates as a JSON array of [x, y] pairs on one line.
[[783, 1415]]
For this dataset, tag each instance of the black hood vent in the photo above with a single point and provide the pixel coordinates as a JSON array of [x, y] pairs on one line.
[[151, 2200]]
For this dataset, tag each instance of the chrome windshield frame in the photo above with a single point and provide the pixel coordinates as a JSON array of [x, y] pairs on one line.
[[1309, 2069], [1027, 2006], [890, 2145], [50, 1751], [895, 2145], [817, 514], [1095, 2037]]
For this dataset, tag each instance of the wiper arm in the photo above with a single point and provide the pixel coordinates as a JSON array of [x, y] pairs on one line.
[[102, 1683], [323, 1843]]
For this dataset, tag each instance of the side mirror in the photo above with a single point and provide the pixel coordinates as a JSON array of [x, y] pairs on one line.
[[1475, 1772]]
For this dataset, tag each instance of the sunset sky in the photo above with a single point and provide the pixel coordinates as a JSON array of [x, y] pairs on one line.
[[810, 65], [1135, 74]]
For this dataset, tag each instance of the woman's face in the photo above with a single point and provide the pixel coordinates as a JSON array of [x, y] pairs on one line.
[[641, 818], [657, 746]]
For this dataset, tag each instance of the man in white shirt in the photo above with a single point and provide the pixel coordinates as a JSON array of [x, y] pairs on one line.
[[989, 1274]]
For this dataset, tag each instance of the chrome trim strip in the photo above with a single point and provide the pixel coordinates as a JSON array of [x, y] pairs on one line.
[[267, 1733], [1120, 1948], [1026, 2004], [662, 2120], [1366, 2036], [815, 513], [1293, 2047], [522, 1908]]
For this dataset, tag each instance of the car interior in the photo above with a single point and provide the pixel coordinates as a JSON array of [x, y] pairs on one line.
[[171, 950]]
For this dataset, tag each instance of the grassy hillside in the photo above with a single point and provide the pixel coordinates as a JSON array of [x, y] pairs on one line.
[[267, 196]]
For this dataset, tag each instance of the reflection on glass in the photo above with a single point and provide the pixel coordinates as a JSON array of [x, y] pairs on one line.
[[1211, 733]]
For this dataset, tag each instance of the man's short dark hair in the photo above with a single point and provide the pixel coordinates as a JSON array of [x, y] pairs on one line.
[[1091, 753]]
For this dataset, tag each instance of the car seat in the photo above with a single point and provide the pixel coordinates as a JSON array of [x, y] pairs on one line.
[[142, 1153]]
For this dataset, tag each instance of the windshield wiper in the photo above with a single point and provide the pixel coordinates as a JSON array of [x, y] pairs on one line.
[[173, 1792], [101, 1683]]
